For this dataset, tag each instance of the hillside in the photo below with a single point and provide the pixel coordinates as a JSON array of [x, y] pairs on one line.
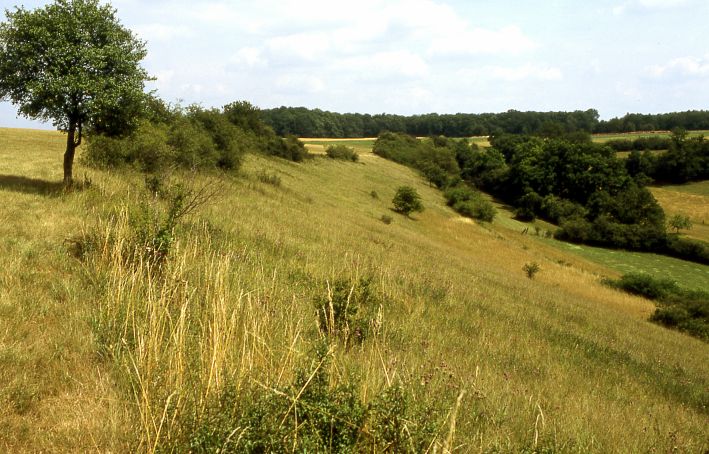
[[99, 351]]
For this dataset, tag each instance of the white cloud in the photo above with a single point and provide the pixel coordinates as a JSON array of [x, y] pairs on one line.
[[507, 40], [683, 66], [514, 73], [300, 82], [384, 65], [649, 5], [163, 79], [250, 57], [161, 32]]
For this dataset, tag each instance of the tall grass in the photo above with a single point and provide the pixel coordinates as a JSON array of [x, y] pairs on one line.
[[183, 330]]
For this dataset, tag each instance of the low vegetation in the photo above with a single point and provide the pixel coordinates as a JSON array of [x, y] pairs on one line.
[[342, 152], [407, 201], [439, 160], [191, 138], [685, 310]]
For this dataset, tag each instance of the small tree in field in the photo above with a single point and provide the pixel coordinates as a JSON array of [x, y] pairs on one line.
[[407, 200], [72, 63], [679, 222]]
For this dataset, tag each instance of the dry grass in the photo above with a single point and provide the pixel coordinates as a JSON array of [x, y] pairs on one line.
[[558, 362], [680, 200]]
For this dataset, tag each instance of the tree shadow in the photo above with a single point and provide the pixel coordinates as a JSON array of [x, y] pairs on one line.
[[31, 185]]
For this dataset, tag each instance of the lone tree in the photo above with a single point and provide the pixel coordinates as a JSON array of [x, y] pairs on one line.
[[72, 63], [680, 222], [407, 200]]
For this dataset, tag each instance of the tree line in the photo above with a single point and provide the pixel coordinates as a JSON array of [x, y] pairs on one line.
[[304, 122], [583, 187]]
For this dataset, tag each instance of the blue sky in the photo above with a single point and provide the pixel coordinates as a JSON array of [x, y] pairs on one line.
[[419, 56]]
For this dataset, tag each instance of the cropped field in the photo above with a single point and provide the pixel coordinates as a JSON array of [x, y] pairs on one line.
[[690, 199], [99, 355], [319, 145], [602, 138], [364, 145]]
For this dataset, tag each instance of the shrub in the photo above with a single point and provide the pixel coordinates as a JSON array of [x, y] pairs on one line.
[[311, 414], [685, 310], [686, 249], [348, 310], [468, 202], [192, 138], [435, 174], [294, 149], [194, 148], [407, 200], [531, 269], [342, 152], [459, 193], [477, 208], [386, 219], [645, 285], [104, 152]]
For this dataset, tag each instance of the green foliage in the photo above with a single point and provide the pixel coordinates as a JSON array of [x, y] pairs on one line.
[[312, 414], [640, 144], [407, 200], [558, 210], [342, 152], [385, 218], [290, 148], [155, 220], [685, 310], [468, 202], [679, 222], [437, 163], [190, 138], [147, 148], [194, 148], [318, 123], [348, 310], [435, 175], [74, 64], [686, 160], [528, 206], [694, 250], [645, 285]]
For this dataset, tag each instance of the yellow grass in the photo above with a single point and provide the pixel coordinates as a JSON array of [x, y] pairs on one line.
[[696, 206], [113, 359]]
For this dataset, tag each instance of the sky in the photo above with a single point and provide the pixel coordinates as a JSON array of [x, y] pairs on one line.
[[420, 56]]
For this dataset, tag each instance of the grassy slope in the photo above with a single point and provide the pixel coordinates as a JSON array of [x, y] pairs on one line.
[[53, 394], [559, 359]]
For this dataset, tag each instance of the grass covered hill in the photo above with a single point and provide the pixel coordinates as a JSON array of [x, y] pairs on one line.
[[283, 314]]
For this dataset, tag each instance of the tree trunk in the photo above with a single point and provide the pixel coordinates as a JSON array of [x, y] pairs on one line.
[[72, 141]]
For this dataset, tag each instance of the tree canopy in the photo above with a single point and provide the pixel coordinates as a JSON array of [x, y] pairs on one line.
[[305, 122], [72, 63]]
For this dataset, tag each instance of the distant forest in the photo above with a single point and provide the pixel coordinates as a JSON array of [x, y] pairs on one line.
[[304, 122]]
